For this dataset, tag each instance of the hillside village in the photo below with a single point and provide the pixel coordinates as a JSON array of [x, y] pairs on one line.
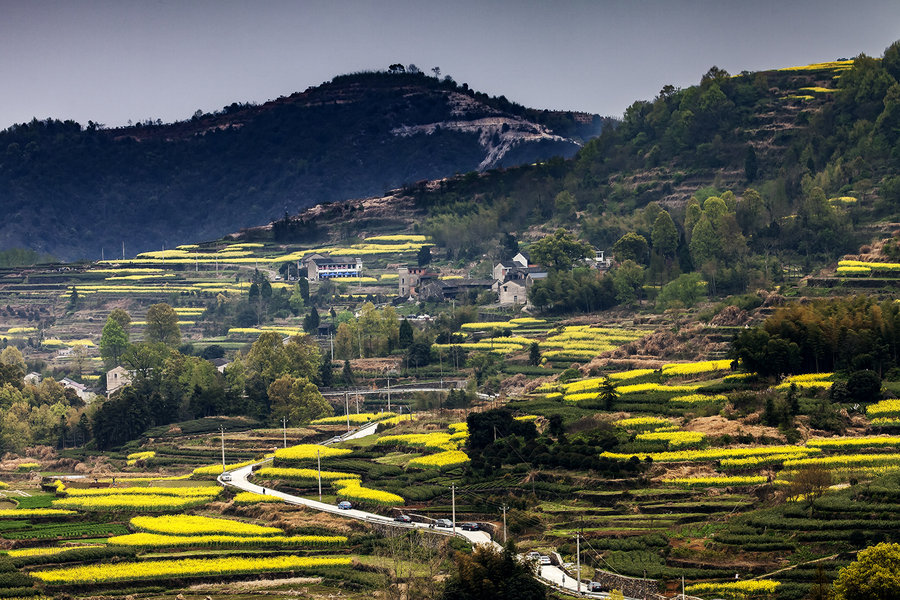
[[664, 368]]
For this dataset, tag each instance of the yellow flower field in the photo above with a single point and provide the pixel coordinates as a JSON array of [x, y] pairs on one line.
[[714, 454], [354, 419], [351, 489], [254, 498], [181, 492], [198, 525], [723, 481], [302, 474], [696, 368], [442, 460], [309, 452], [156, 540], [186, 567], [436, 440]]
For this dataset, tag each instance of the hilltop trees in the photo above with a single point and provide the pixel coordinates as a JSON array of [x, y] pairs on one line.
[[854, 334]]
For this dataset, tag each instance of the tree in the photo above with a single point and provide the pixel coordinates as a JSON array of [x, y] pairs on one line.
[[311, 321], [12, 357], [405, 336], [298, 400], [628, 279], [631, 246], [424, 256], [684, 291], [121, 317], [113, 342], [664, 235], [864, 386], [809, 483], [890, 61], [418, 354], [534, 354], [303, 284], [564, 207], [347, 373], [326, 374], [559, 251], [162, 325], [489, 574], [608, 394], [751, 166], [73, 299], [875, 575]]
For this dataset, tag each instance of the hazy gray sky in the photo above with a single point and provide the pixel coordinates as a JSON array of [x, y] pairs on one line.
[[111, 61]]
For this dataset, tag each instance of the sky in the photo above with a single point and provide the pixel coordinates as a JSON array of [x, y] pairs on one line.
[[120, 60]]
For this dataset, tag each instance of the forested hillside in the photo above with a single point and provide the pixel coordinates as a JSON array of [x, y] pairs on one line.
[[70, 190], [757, 172]]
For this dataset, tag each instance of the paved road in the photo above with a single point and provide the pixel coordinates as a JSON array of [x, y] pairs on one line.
[[549, 574]]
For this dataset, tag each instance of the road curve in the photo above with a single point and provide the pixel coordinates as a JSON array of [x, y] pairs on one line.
[[550, 575]]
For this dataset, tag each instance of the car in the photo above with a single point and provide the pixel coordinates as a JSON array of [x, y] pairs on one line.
[[545, 560], [226, 476], [533, 555], [344, 505], [596, 586], [443, 523], [470, 526], [403, 519]]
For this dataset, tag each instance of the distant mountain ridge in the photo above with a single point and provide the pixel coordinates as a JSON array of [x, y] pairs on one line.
[[70, 191]]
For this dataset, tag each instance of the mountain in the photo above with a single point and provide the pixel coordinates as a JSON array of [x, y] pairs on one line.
[[72, 191]]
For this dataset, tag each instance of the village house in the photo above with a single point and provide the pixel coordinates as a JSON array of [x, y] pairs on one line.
[[116, 379], [513, 279], [79, 388], [409, 279], [326, 267]]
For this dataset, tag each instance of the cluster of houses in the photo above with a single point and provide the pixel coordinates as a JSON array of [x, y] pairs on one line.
[[511, 280]]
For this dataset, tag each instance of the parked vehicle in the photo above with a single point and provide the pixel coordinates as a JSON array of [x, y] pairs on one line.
[[403, 519], [533, 555], [443, 523], [226, 477], [344, 505], [545, 560], [470, 526], [596, 586]]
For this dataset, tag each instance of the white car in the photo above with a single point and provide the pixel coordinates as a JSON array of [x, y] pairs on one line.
[[226, 477], [545, 560]]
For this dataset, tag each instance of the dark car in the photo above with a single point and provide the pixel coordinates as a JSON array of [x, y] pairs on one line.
[[443, 523], [403, 519], [470, 526]]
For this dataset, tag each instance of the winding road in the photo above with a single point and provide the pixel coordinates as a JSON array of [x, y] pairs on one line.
[[550, 575]]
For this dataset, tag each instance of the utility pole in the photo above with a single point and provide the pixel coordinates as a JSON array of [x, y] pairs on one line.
[[357, 401], [319, 472], [578, 560], [504, 523], [347, 408], [123, 249], [331, 336], [453, 504], [222, 431], [389, 393], [284, 429]]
